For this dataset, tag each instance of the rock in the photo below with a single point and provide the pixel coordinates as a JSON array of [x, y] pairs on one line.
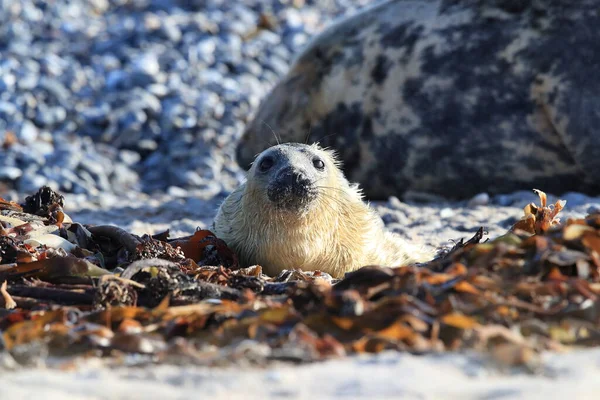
[[480, 199], [10, 173], [115, 79], [575, 199], [28, 132], [129, 157], [146, 63], [31, 183], [594, 208], [446, 213], [177, 191], [137, 78]]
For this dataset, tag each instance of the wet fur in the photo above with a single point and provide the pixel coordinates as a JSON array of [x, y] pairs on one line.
[[336, 234]]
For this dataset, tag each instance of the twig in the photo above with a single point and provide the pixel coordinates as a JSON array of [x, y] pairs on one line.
[[59, 296], [123, 280]]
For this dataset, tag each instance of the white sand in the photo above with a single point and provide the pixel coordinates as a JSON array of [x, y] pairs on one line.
[[573, 375]]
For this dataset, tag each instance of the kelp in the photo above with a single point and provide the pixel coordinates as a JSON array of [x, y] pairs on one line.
[[111, 293]]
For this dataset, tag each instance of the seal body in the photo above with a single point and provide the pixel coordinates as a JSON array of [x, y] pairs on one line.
[[297, 210], [448, 97]]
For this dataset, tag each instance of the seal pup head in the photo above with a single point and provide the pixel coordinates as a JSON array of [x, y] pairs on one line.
[[289, 178]]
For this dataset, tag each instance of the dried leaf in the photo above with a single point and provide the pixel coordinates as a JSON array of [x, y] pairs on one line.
[[9, 303], [592, 242], [397, 331], [575, 231], [466, 287], [538, 220], [53, 268], [459, 321]]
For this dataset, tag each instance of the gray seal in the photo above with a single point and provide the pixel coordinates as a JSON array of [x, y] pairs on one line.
[[450, 97], [297, 210]]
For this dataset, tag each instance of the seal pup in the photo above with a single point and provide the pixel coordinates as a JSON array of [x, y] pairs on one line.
[[297, 210]]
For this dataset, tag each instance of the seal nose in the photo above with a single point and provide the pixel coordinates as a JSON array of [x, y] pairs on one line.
[[291, 187], [294, 179]]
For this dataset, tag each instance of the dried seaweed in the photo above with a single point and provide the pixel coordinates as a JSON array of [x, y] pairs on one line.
[[536, 287], [42, 202]]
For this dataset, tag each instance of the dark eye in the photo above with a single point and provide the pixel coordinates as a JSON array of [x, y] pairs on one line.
[[265, 164], [318, 164]]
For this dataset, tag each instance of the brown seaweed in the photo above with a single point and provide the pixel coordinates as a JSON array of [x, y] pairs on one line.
[[536, 287]]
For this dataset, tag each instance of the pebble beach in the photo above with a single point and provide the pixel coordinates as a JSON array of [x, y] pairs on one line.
[[132, 109]]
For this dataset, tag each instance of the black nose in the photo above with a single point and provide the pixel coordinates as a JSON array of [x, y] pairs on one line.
[[295, 180], [291, 187]]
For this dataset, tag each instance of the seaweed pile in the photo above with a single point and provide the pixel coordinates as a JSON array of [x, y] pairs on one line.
[[80, 290]]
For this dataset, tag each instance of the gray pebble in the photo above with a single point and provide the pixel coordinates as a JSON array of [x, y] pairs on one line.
[[114, 80], [147, 145], [593, 209], [129, 157], [146, 63], [28, 132], [31, 183], [480, 199], [177, 191], [575, 199], [446, 213], [10, 173]]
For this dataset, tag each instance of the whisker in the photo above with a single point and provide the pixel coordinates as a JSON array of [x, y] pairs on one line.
[[309, 131], [326, 136], [274, 134]]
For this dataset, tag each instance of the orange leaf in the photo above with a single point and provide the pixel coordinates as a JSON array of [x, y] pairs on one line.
[[466, 287], [129, 325], [592, 241], [191, 245], [556, 275], [344, 323], [438, 279], [459, 321], [396, 331]]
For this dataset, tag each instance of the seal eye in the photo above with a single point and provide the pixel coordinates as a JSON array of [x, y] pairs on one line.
[[318, 164], [265, 164]]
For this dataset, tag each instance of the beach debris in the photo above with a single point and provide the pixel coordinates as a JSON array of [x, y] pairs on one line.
[[81, 289], [538, 219], [9, 303]]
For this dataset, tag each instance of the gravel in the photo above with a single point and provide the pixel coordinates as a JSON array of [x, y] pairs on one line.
[[132, 108], [106, 97]]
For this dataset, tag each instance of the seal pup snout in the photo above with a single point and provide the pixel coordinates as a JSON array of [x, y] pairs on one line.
[[291, 188]]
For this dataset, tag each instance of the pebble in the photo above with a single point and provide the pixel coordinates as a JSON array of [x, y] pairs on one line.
[[28, 132], [176, 191], [129, 157], [31, 183], [10, 173], [519, 198], [446, 213], [575, 199], [140, 95], [395, 202], [146, 63], [595, 208], [480, 199]]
